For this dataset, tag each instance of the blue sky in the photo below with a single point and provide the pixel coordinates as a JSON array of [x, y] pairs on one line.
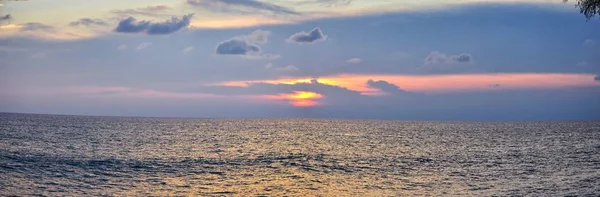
[[427, 60]]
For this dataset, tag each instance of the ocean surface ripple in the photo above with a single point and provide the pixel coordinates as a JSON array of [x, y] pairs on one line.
[[54, 155]]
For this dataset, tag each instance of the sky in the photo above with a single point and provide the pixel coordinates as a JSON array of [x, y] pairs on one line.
[[463, 60]]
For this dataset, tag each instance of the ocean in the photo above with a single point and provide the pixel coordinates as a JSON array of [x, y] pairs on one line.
[[58, 155]]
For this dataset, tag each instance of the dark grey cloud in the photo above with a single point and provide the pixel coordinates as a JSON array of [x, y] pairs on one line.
[[131, 25], [463, 58], [494, 85], [175, 24], [245, 45], [6, 17], [385, 87], [154, 10], [275, 89], [35, 27], [597, 78], [88, 22], [308, 37], [437, 57], [241, 6]]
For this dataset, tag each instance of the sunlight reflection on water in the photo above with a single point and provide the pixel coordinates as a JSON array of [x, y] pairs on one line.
[[91, 156]]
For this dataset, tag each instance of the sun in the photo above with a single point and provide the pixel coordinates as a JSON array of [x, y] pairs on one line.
[[299, 98]]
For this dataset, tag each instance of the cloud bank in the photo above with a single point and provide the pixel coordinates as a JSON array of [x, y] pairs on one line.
[[153, 11], [385, 86], [35, 27], [241, 6]]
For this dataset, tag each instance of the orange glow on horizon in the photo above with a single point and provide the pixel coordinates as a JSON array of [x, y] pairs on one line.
[[442, 83], [304, 95], [304, 103], [298, 98]]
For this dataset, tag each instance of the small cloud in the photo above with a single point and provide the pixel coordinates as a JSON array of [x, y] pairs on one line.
[[259, 36], [122, 47], [262, 56], [6, 18], [314, 35], [153, 10], [35, 27], [187, 50], [288, 68], [354, 61], [131, 25], [582, 63], [589, 42], [237, 46], [144, 45], [88, 22], [245, 45], [494, 85], [597, 78], [436, 57], [385, 86]]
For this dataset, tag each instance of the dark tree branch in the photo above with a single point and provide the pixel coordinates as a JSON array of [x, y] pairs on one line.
[[589, 8]]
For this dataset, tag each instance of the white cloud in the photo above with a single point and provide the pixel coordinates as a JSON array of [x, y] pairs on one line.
[[288, 68], [187, 49], [259, 36], [354, 61], [144, 45], [589, 42], [437, 57]]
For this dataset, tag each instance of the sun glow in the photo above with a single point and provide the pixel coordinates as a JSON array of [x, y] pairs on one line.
[[442, 83], [429, 84], [298, 98]]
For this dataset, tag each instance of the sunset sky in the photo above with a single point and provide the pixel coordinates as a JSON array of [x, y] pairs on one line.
[[383, 59]]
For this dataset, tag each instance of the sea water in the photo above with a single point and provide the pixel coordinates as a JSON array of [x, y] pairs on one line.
[[55, 155]]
